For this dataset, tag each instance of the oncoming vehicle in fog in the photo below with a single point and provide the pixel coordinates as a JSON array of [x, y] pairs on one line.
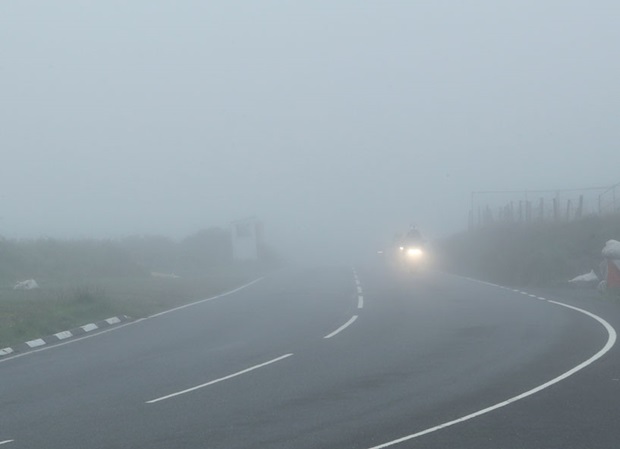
[[412, 254]]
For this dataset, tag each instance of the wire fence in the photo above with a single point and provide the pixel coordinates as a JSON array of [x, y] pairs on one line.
[[538, 206], [609, 200]]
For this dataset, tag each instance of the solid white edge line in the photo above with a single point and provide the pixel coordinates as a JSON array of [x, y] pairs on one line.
[[131, 323], [360, 302], [343, 327], [6, 441], [611, 340], [230, 376], [165, 312]]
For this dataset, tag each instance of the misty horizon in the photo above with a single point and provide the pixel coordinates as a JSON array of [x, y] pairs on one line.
[[334, 123]]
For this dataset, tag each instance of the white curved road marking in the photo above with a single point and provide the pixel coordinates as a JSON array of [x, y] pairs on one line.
[[343, 327], [611, 340]]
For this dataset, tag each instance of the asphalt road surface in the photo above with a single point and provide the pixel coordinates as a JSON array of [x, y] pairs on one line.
[[331, 358]]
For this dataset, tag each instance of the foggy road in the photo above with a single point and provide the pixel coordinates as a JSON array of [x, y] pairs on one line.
[[326, 358]]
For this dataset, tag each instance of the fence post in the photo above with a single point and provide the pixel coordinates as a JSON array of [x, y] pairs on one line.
[[541, 210], [579, 213]]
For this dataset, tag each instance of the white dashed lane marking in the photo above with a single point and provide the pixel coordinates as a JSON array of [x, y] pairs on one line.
[[230, 376], [343, 327]]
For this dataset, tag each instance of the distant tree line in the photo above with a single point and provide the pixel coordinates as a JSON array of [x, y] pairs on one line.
[[206, 249]]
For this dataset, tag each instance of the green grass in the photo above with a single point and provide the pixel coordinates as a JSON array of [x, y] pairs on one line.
[[60, 305]]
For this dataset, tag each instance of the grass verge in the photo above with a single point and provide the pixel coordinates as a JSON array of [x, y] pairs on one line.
[[541, 254], [62, 305]]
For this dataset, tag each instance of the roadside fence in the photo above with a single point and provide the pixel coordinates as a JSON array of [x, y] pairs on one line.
[[538, 206]]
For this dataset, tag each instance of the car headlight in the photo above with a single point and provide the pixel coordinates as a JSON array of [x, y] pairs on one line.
[[415, 252]]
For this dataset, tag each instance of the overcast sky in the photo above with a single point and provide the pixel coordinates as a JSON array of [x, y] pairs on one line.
[[326, 119]]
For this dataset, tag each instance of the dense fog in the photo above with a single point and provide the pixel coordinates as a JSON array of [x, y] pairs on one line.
[[337, 124]]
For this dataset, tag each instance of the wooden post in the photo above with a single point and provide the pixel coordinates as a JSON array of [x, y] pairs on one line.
[[579, 212], [541, 210]]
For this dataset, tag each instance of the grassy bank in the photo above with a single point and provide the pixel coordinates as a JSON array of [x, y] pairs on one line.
[[57, 306], [538, 254], [88, 280]]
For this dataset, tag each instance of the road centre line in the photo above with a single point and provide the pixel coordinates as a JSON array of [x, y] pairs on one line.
[[360, 302], [6, 441], [611, 340], [230, 376], [359, 290], [343, 327]]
